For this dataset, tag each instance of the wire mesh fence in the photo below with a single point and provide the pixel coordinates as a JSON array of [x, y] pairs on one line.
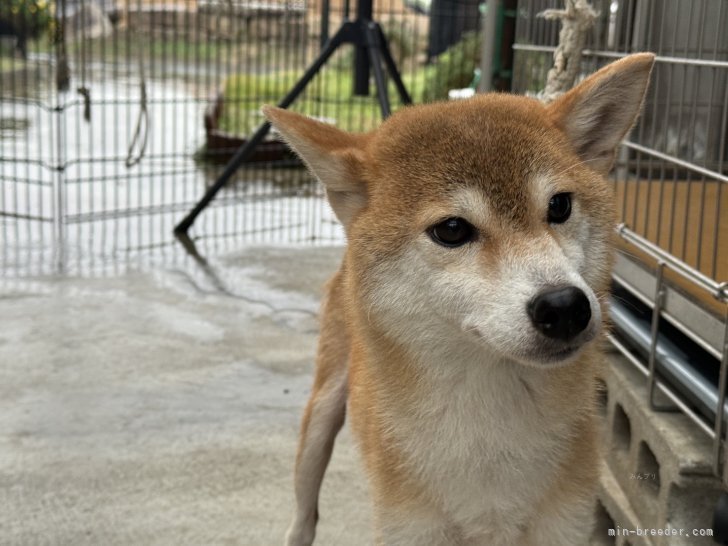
[[115, 115]]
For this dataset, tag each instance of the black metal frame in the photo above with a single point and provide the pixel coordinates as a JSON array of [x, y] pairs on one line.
[[371, 44]]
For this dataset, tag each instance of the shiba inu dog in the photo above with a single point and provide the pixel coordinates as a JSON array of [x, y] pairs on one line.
[[462, 329]]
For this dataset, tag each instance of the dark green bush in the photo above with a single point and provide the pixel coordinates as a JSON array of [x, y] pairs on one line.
[[27, 17], [454, 69]]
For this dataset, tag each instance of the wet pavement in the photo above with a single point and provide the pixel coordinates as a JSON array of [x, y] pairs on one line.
[[162, 406]]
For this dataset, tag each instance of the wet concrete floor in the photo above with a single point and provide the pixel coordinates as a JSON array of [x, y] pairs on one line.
[[160, 407]]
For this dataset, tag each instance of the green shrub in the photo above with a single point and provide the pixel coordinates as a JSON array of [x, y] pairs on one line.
[[402, 39], [29, 17], [454, 69]]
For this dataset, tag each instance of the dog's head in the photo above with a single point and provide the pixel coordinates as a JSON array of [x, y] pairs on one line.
[[486, 221]]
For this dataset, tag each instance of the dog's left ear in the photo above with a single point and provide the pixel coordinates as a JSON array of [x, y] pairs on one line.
[[600, 111], [334, 156]]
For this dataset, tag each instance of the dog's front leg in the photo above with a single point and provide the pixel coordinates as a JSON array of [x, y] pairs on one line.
[[322, 418]]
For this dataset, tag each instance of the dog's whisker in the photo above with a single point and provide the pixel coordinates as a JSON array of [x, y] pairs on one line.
[[578, 164]]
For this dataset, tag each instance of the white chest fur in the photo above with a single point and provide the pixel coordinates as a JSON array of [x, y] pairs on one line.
[[481, 436]]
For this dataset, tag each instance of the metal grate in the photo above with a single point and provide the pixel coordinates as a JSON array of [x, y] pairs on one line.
[[670, 179], [103, 127]]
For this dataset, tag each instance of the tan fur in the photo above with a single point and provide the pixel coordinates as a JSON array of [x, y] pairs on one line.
[[472, 429]]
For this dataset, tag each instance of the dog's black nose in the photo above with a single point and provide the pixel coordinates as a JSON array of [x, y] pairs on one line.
[[560, 313]]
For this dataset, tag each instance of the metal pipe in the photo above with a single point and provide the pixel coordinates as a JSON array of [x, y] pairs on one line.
[[664, 389], [615, 55], [695, 338], [373, 49], [718, 438], [676, 161], [654, 330], [490, 19], [717, 290], [325, 11], [672, 363]]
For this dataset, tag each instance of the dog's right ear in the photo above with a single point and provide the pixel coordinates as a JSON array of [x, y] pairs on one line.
[[334, 156], [596, 114]]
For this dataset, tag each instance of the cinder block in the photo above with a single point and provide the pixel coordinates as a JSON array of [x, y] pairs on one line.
[[658, 472], [619, 514]]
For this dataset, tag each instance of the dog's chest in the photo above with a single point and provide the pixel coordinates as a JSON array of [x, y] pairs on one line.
[[483, 443]]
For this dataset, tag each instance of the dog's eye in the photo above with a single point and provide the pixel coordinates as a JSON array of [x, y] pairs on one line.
[[452, 232], [559, 208]]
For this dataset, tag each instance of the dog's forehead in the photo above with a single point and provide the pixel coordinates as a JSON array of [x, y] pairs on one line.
[[497, 144]]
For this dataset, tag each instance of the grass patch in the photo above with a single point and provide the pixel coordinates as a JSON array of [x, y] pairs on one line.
[[454, 68], [329, 97], [8, 63]]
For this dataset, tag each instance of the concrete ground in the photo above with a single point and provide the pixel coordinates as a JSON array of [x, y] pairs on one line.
[[163, 407]]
